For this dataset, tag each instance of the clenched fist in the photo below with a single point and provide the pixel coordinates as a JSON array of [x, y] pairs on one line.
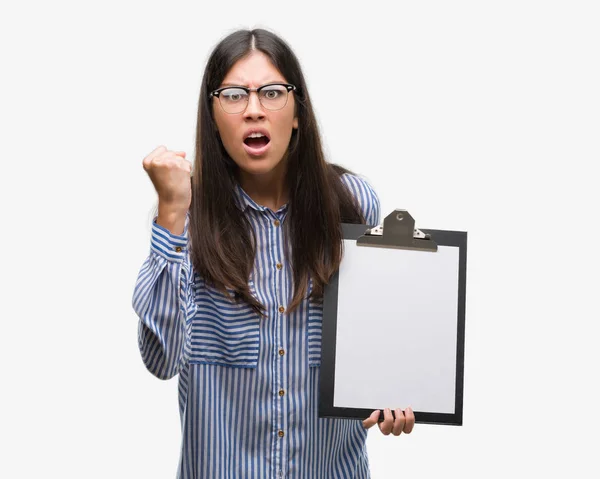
[[170, 174]]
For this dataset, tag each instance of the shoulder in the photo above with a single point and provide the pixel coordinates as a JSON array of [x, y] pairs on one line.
[[365, 195]]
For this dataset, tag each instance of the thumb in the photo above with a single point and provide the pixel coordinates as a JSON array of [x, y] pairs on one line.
[[372, 419], [180, 153]]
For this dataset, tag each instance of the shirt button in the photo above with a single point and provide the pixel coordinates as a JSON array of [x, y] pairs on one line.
[[281, 352], [281, 309], [276, 223], [279, 266], [281, 392], [178, 249], [281, 434]]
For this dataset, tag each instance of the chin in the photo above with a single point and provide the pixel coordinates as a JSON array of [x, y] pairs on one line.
[[258, 166], [258, 169]]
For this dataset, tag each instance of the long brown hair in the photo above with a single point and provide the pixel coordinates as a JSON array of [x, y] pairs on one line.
[[222, 242]]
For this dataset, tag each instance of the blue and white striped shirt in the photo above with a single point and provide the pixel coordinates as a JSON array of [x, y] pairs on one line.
[[248, 387]]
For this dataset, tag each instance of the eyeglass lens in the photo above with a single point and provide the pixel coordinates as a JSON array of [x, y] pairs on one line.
[[235, 100]]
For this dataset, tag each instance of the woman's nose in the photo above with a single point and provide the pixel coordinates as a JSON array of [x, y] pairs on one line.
[[254, 108]]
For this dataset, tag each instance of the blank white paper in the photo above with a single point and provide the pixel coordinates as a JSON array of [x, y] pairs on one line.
[[397, 329]]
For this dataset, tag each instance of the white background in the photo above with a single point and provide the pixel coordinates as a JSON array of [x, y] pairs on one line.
[[481, 116]]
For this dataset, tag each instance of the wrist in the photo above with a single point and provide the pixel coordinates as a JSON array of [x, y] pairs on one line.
[[172, 219]]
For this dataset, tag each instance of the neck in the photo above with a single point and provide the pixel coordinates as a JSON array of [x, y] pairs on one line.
[[269, 189]]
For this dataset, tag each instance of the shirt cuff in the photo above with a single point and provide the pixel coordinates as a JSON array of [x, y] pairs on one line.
[[169, 246]]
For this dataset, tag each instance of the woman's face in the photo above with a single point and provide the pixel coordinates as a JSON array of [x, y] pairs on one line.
[[255, 156]]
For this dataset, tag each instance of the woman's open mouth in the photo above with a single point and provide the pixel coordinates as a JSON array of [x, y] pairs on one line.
[[257, 144]]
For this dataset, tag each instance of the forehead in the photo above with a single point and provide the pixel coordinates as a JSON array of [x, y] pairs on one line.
[[253, 70]]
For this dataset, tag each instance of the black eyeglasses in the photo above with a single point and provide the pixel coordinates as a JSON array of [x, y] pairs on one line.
[[234, 99]]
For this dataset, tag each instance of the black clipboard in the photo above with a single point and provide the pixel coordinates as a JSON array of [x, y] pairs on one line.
[[398, 236]]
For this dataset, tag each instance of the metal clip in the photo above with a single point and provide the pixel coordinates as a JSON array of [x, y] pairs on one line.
[[398, 231]]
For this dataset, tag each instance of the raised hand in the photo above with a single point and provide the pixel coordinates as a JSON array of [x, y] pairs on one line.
[[170, 174]]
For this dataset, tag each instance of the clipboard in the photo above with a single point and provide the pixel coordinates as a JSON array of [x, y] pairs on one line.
[[394, 323]]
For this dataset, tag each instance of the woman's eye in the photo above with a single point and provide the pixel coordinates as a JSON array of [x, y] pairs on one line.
[[233, 96], [271, 94]]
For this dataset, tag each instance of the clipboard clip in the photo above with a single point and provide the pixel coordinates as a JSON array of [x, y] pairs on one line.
[[398, 231]]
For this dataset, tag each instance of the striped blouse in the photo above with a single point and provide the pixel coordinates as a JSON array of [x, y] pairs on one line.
[[248, 388]]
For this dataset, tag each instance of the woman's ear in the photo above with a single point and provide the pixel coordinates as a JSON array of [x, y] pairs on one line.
[[295, 123]]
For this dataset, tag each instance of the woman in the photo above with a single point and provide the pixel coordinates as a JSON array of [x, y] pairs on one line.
[[230, 295]]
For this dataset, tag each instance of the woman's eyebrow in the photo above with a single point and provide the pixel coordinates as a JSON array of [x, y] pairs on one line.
[[245, 85]]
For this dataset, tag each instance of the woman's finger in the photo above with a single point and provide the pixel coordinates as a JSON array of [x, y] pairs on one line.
[[157, 151], [388, 422], [399, 422], [410, 420], [371, 420]]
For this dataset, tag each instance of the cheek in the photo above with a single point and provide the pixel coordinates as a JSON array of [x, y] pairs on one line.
[[225, 130], [285, 126], [228, 138]]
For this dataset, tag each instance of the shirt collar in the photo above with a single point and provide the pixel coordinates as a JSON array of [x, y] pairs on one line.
[[243, 201]]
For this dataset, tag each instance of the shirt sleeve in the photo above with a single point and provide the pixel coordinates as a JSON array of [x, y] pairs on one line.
[[367, 198], [163, 299]]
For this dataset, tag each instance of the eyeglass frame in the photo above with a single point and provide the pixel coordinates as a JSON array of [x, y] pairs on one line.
[[215, 93]]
